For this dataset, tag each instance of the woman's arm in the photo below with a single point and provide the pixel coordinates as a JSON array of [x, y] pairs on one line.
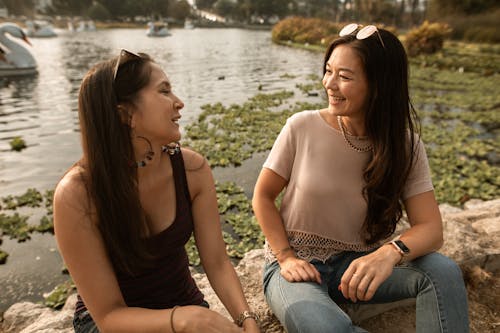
[[424, 236], [208, 235], [84, 253], [268, 187]]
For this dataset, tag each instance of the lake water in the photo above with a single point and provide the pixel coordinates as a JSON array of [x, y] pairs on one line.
[[204, 65]]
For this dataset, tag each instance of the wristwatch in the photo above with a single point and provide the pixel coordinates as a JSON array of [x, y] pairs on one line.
[[401, 248]]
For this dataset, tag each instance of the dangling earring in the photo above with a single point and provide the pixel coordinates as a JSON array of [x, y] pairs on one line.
[[149, 154], [171, 148]]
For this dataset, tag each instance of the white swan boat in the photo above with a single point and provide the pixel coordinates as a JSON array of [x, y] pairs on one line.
[[16, 59], [157, 30], [86, 26], [40, 29], [188, 24]]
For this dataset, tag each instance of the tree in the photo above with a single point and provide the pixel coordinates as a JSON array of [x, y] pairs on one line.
[[205, 4], [70, 7], [98, 12], [180, 10], [464, 7], [224, 7], [20, 7]]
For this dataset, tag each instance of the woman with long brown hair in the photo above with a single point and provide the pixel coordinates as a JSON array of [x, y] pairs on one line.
[[125, 210], [347, 171]]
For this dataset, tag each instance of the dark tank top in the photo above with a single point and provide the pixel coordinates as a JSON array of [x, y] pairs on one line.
[[168, 282]]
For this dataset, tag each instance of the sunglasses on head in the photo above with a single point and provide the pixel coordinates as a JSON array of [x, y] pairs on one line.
[[362, 33], [124, 57]]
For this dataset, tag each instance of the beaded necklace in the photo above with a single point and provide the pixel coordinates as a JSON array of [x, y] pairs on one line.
[[349, 143], [171, 149]]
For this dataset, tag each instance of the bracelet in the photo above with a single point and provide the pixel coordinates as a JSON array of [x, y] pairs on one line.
[[286, 249], [244, 316], [172, 319]]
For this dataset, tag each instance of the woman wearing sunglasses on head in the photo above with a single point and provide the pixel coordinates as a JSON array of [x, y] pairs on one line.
[[347, 171], [125, 210]]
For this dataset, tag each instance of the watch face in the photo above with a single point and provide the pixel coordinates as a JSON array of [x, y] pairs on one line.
[[402, 246]]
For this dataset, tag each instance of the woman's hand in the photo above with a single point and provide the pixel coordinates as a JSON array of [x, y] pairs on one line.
[[365, 274], [294, 269], [195, 319]]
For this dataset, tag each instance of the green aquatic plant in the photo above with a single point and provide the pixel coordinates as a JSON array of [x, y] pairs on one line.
[[31, 198], [241, 232], [15, 226], [58, 296], [227, 136], [17, 143], [3, 257]]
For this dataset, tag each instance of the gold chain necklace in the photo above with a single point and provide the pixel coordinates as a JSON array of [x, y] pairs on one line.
[[349, 143]]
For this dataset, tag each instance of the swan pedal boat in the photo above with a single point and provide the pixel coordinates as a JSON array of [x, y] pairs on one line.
[[15, 59]]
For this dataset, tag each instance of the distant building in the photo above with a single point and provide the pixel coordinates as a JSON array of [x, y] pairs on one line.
[[210, 16]]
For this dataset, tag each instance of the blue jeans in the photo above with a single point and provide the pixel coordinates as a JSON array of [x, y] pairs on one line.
[[307, 307]]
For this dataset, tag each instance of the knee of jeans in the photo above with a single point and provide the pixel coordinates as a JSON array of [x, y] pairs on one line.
[[441, 270], [440, 264], [304, 318]]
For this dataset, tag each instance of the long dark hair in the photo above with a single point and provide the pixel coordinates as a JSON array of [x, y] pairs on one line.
[[391, 123], [110, 179]]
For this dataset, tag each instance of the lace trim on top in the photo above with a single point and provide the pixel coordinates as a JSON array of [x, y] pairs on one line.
[[310, 246]]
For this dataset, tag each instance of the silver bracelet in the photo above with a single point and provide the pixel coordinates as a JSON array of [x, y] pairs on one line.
[[244, 316]]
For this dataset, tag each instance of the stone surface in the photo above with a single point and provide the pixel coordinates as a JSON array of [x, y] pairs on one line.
[[472, 238]]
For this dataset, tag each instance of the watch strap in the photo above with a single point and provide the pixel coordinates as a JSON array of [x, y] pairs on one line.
[[401, 246]]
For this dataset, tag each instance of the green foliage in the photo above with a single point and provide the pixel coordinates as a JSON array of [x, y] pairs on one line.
[[426, 39], [179, 10], [16, 225], [3, 257], [229, 135], [58, 296], [439, 8], [304, 30], [31, 198], [98, 12], [19, 7], [474, 28], [482, 34], [241, 233], [17, 143]]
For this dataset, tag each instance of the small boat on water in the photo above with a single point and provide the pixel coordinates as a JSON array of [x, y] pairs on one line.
[[39, 29], [158, 29], [188, 24], [15, 58], [86, 26]]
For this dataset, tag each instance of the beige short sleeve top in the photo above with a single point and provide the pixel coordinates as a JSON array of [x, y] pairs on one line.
[[323, 209]]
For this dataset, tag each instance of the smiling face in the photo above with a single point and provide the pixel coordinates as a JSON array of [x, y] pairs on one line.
[[345, 83], [157, 110]]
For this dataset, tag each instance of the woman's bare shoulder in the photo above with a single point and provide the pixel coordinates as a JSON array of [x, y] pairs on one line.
[[198, 172], [71, 191], [193, 161]]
